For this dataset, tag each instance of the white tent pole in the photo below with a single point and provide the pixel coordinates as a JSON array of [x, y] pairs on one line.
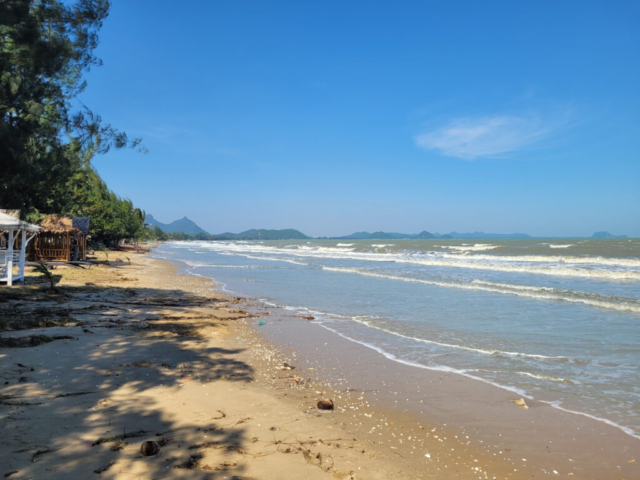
[[10, 259], [23, 251]]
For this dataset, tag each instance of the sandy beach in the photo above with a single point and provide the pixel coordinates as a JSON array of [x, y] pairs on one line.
[[130, 351]]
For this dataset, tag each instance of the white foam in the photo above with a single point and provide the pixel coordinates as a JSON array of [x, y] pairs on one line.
[[213, 265], [551, 259], [465, 373], [623, 304], [627, 430], [438, 368], [345, 245], [272, 259], [483, 351], [556, 266], [478, 247], [562, 246]]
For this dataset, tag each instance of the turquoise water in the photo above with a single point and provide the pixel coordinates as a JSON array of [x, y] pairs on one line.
[[554, 320]]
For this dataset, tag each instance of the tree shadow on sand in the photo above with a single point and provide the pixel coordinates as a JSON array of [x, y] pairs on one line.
[[80, 407]]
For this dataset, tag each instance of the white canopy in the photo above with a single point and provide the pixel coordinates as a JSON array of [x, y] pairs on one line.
[[7, 222], [9, 257]]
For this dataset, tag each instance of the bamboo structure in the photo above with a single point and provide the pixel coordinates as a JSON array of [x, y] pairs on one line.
[[62, 238]]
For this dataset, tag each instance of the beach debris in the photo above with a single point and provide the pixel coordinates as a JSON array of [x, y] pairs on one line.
[[192, 462], [262, 323], [23, 380], [165, 441], [306, 317], [140, 363], [521, 403], [217, 446], [42, 452], [74, 394], [118, 445], [4, 401], [31, 340], [25, 366], [86, 330], [124, 436], [143, 325], [149, 448], [8, 474], [325, 404], [105, 468]]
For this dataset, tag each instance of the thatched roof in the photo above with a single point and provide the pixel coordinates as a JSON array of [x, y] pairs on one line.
[[58, 223], [82, 224]]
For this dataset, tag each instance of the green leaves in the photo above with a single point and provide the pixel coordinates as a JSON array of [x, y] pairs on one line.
[[46, 146], [45, 48], [42, 268]]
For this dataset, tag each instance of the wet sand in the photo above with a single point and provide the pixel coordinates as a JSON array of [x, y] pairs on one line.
[[164, 357], [482, 424]]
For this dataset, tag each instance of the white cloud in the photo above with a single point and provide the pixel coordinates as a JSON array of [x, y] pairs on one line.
[[471, 138]]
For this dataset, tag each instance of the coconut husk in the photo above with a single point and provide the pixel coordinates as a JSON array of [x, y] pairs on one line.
[[149, 448], [325, 404]]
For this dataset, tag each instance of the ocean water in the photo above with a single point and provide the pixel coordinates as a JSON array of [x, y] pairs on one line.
[[554, 320]]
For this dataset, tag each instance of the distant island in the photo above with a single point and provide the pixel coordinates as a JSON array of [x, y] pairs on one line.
[[607, 235], [262, 234], [426, 235], [185, 229]]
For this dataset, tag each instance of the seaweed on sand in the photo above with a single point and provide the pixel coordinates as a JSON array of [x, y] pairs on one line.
[[31, 340]]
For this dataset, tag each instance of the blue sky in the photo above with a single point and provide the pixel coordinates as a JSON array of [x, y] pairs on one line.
[[335, 117]]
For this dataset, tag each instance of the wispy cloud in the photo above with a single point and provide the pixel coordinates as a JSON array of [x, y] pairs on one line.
[[470, 138]]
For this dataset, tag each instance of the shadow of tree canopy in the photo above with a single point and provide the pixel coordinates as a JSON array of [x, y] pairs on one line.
[[80, 407]]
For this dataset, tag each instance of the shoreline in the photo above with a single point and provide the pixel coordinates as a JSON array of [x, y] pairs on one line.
[[512, 390], [128, 357], [211, 339], [622, 445]]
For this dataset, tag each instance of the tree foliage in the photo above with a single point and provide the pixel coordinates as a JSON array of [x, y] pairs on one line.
[[47, 137]]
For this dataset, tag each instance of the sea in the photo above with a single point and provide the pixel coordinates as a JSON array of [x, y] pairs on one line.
[[553, 320]]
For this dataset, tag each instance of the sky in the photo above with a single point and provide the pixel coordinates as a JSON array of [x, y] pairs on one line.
[[334, 117]]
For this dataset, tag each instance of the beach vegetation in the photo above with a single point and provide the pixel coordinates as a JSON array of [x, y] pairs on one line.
[[48, 138]]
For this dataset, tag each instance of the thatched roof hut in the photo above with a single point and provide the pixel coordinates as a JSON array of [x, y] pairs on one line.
[[58, 223], [62, 238]]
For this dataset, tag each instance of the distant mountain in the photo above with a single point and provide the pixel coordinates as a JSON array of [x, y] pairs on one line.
[[606, 235], [262, 234], [183, 225], [385, 236], [427, 235], [482, 235]]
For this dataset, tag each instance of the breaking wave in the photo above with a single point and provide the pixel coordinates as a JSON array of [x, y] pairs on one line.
[[623, 304]]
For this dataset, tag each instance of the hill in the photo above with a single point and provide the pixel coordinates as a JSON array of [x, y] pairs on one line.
[[262, 234], [384, 236], [606, 235], [428, 235], [483, 235], [183, 225]]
